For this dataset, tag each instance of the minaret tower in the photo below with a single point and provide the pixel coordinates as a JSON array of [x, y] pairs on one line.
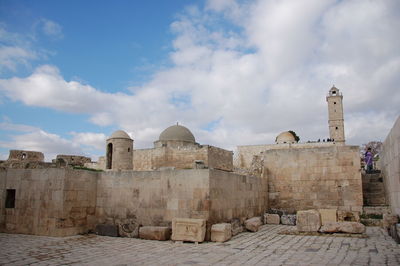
[[335, 115]]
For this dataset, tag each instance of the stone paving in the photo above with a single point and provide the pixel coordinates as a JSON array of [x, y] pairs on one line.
[[266, 247]]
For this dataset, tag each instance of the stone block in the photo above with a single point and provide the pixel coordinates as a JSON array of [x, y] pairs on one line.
[[348, 216], [155, 232], [236, 227], [106, 230], [271, 218], [308, 221], [288, 219], [253, 224], [343, 227], [128, 230], [389, 220], [185, 229], [328, 215], [221, 232]]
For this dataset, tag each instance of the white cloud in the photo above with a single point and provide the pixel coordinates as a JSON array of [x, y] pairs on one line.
[[51, 28], [268, 75]]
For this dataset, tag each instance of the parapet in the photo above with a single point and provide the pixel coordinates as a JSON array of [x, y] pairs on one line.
[[25, 156]]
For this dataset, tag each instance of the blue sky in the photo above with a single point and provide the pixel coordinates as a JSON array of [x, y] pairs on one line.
[[234, 72]]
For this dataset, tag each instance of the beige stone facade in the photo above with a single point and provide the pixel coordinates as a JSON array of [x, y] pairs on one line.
[[390, 165]]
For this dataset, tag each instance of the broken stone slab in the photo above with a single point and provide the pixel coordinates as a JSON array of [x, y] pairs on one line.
[[106, 230], [343, 227], [271, 218], [185, 229], [389, 220], [128, 230], [288, 219], [308, 221], [221, 232], [253, 224], [155, 233], [328, 215], [236, 226]]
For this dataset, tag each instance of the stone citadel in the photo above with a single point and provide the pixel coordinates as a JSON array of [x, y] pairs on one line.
[[192, 188]]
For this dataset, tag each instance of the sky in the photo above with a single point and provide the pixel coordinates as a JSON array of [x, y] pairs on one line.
[[233, 72]]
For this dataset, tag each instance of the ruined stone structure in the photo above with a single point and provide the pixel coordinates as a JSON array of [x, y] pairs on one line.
[[179, 179]]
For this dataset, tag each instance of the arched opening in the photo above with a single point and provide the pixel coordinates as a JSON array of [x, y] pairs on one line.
[[109, 155]]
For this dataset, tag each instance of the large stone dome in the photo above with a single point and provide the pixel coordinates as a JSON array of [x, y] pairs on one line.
[[285, 137], [178, 133], [119, 134]]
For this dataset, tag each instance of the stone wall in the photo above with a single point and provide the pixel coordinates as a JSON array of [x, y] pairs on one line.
[[74, 160], [236, 196], [52, 201], [27, 156], [245, 154], [390, 165], [314, 178], [182, 158]]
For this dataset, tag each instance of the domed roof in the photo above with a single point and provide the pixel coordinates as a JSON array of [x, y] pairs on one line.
[[177, 132], [120, 134], [285, 137]]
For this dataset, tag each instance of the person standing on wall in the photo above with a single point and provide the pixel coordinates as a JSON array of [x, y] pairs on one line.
[[368, 158]]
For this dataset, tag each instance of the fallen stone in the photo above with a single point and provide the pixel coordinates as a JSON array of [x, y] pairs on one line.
[[288, 219], [348, 216], [308, 221], [328, 215], [236, 227], [155, 233], [253, 224], [389, 220], [343, 227], [106, 230], [271, 218], [185, 229], [221, 232], [128, 230]]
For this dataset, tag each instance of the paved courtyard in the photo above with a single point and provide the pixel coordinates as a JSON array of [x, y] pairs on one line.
[[265, 247]]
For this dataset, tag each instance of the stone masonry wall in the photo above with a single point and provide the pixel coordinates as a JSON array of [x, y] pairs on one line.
[[314, 178], [390, 165], [55, 202], [220, 159], [236, 196], [184, 158], [246, 153]]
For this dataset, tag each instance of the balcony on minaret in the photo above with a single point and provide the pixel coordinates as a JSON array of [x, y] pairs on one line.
[[334, 92]]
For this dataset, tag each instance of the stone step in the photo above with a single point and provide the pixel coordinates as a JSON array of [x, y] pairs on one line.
[[374, 190], [384, 209], [372, 222], [374, 201]]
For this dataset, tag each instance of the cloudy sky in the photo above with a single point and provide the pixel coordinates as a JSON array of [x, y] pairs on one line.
[[233, 72]]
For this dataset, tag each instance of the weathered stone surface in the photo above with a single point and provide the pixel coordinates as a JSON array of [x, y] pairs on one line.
[[185, 229], [221, 232], [348, 216], [389, 220], [155, 232], [253, 224], [271, 218], [343, 227], [328, 215], [308, 221], [128, 230], [288, 219], [236, 227], [106, 230]]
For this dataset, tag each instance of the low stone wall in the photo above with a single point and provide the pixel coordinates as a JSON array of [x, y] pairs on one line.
[[55, 202], [390, 165], [314, 178]]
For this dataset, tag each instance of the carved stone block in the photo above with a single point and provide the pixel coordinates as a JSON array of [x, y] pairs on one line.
[[328, 215], [308, 221], [185, 229], [221, 232]]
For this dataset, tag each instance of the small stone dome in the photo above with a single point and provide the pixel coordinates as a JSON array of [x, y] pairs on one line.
[[177, 132], [285, 137], [119, 134]]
